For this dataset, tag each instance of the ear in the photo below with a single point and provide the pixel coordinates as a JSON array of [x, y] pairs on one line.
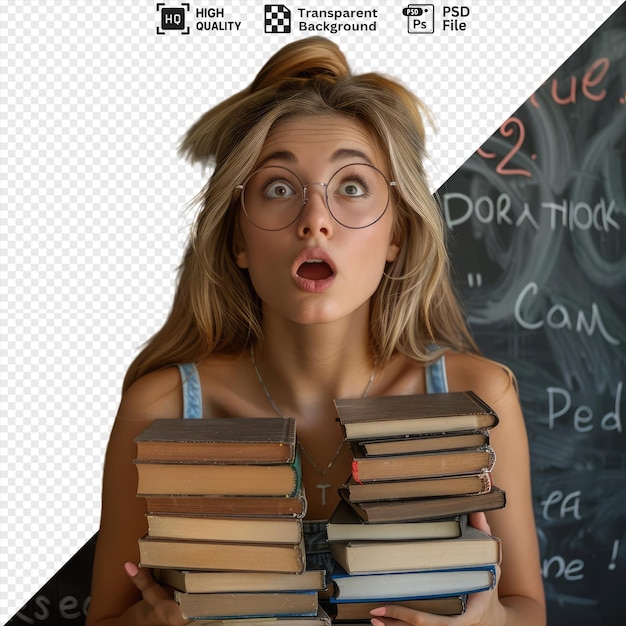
[[395, 244], [393, 250], [396, 239], [241, 257], [239, 248]]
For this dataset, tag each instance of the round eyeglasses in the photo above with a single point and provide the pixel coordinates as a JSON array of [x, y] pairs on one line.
[[357, 196]]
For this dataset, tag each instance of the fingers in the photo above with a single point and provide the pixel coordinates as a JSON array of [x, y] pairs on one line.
[[393, 615], [479, 520], [142, 579], [482, 608], [161, 602]]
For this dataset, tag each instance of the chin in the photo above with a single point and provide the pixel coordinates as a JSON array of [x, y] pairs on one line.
[[327, 314]]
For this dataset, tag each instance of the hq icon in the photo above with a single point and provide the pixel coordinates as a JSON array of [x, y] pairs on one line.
[[172, 18]]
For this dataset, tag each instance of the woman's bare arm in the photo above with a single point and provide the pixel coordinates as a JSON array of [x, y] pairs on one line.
[[115, 598]]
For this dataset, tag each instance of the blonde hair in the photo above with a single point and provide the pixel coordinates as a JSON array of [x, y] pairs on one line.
[[215, 308]]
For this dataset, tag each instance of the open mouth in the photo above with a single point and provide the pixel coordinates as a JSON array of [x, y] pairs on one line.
[[315, 269]]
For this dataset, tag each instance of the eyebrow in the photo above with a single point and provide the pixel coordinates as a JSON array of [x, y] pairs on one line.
[[339, 155], [279, 155], [350, 153]]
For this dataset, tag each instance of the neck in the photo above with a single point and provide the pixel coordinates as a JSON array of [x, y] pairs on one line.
[[305, 367]]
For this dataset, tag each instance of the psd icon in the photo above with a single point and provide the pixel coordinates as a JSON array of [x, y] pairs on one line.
[[172, 18], [277, 18], [420, 18]]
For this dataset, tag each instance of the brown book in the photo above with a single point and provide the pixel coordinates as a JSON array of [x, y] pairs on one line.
[[472, 548], [244, 440], [427, 508], [419, 487], [425, 443], [212, 582], [255, 506], [393, 416], [345, 525], [359, 611], [404, 466], [321, 618], [237, 529], [248, 604], [218, 479], [208, 555]]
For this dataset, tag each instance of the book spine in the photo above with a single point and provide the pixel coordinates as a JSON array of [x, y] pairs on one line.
[[289, 437], [492, 459], [487, 482], [355, 471], [297, 466], [483, 405]]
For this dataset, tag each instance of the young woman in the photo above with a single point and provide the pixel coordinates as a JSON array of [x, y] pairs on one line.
[[317, 270]]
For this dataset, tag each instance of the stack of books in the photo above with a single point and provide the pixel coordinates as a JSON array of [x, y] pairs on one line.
[[225, 505], [420, 465]]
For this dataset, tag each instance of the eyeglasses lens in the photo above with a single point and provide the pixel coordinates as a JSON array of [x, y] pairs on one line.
[[356, 195]]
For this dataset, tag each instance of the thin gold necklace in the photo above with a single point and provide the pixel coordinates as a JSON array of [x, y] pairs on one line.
[[322, 485]]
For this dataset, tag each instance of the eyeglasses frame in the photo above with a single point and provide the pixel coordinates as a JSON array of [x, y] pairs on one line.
[[305, 199]]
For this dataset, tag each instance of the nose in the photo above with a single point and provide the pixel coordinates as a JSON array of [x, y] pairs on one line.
[[315, 216]]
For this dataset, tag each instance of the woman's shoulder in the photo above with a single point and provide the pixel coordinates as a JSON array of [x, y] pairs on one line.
[[159, 394], [155, 395], [486, 377], [463, 371]]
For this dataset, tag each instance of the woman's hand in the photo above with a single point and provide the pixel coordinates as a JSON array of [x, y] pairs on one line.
[[164, 607], [483, 609]]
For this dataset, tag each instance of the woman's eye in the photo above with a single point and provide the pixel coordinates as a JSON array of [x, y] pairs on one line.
[[352, 189], [278, 189]]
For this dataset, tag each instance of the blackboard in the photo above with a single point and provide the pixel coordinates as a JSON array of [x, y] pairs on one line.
[[537, 220], [64, 599]]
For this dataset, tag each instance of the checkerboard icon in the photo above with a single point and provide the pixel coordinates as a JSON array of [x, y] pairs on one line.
[[277, 18]]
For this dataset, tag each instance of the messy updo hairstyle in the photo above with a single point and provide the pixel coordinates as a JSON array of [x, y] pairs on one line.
[[215, 308]]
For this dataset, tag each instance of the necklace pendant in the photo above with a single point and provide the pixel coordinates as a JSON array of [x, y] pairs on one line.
[[323, 487]]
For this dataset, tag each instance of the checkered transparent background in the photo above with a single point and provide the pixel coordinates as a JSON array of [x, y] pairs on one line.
[[94, 204]]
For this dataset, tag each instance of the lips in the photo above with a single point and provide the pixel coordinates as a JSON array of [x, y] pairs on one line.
[[313, 270]]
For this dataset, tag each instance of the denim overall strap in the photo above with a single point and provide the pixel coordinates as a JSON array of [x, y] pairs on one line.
[[192, 393], [436, 381]]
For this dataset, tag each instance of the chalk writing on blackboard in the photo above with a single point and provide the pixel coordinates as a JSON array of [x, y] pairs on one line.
[[562, 92], [537, 223]]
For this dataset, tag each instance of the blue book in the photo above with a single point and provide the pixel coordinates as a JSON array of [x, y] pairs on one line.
[[415, 585]]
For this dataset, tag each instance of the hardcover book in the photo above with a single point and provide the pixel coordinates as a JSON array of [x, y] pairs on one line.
[[473, 548], [243, 506], [410, 444], [346, 525], [419, 488], [236, 529], [250, 604], [208, 555], [421, 464], [229, 581], [218, 479], [393, 416], [360, 611], [321, 618], [260, 440], [411, 585], [426, 508]]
